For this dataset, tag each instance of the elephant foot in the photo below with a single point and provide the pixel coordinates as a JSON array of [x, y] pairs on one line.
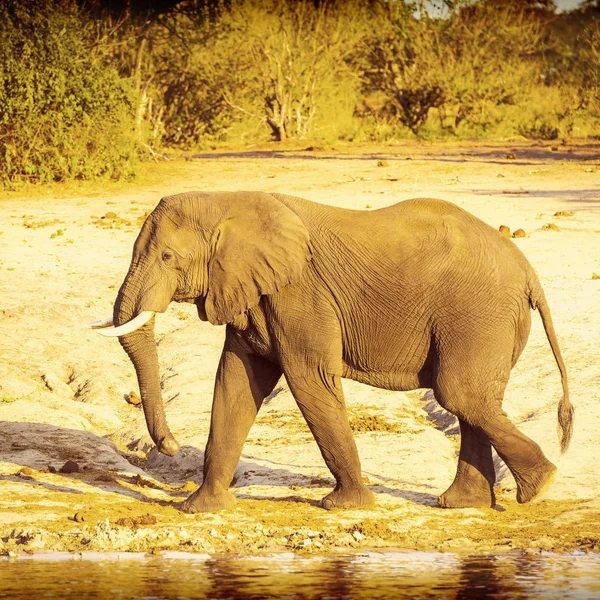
[[531, 488], [348, 496], [463, 495], [203, 501]]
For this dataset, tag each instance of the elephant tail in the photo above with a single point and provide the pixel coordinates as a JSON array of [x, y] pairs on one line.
[[538, 301]]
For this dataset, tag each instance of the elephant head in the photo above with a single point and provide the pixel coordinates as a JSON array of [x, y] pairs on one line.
[[221, 251]]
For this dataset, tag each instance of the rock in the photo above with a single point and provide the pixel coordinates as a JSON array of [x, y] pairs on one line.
[[550, 227], [78, 518], [70, 467], [564, 213], [511, 156], [110, 215], [519, 233], [133, 398], [383, 163], [504, 230], [25, 471]]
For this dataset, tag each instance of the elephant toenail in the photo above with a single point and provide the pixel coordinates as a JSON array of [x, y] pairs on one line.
[[327, 504]]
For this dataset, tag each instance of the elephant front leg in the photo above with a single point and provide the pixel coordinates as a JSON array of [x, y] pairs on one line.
[[473, 485], [321, 401], [242, 383]]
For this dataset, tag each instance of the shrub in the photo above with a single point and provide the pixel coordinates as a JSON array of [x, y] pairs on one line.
[[404, 62], [63, 112], [291, 63]]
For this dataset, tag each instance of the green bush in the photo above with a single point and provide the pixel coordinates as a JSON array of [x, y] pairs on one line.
[[292, 69], [63, 113], [83, 88]]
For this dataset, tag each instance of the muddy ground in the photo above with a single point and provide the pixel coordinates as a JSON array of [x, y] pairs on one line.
[[78, 470]]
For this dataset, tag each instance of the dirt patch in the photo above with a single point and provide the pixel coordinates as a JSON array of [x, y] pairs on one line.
[[114, 522]]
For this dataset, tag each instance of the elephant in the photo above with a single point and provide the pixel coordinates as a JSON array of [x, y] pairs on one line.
[[420, 294]]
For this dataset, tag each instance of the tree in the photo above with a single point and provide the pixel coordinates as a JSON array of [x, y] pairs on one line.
[[294, 55], [404, 62]]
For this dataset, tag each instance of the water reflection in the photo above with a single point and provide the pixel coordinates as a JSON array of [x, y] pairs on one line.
[[345, 577]]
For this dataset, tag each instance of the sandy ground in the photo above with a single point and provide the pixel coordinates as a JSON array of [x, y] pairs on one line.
[[63, 388]]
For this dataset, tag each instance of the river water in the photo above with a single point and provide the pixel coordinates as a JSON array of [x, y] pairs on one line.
[[343, 577]]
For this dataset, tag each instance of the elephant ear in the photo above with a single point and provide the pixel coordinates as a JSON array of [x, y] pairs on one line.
[[259, 248]]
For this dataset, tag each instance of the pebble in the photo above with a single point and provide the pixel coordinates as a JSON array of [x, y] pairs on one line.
[[358, 536], [504, 230], [133, 398], [519, 233]]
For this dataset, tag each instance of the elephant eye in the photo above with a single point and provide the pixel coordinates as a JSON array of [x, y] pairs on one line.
[[167, 256]]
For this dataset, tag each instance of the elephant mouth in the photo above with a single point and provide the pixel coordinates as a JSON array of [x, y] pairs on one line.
[[106, 327]]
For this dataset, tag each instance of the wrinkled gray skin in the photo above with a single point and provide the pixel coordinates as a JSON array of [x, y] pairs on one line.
[[419, 294]]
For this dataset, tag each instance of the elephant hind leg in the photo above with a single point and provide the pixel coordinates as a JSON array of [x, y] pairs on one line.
[[473, 485], [480, 407], [532, 471]]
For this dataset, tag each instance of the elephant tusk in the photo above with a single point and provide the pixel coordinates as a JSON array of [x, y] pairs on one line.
[[101, 323], [128, 327]]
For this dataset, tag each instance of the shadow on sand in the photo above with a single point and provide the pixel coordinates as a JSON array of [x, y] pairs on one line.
[[47, 448]]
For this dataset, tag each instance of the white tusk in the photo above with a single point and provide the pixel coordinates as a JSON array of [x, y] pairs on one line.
[[101, 323], [128, 327]]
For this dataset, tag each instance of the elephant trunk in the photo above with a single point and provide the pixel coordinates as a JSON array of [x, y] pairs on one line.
[[140, 346]]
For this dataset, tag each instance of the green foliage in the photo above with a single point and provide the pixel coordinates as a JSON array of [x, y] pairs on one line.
[[464, 66], [296, 61], [64, 113], [82, 90], [405, 63], [250, 69]]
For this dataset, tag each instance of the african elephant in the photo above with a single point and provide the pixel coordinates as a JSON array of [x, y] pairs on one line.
[[418, 294]]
